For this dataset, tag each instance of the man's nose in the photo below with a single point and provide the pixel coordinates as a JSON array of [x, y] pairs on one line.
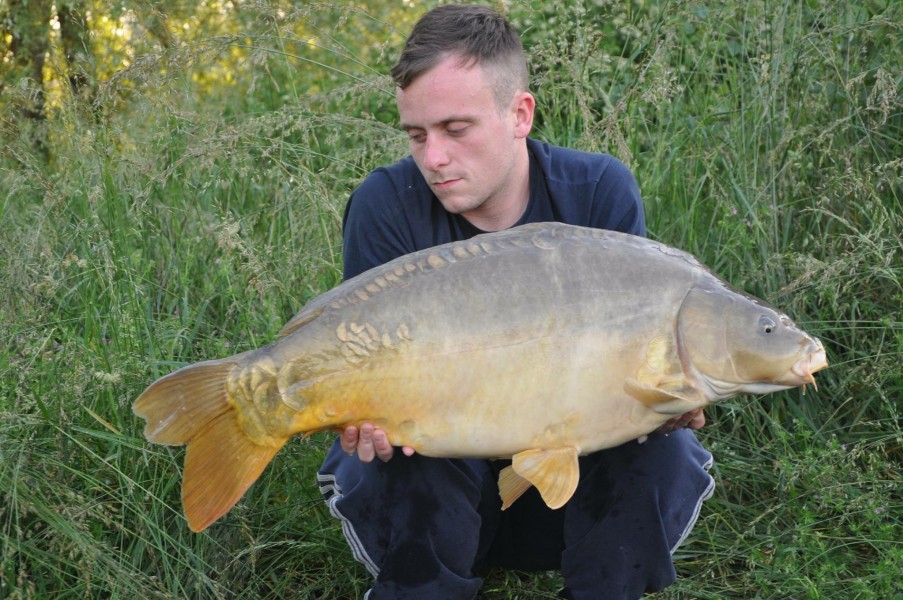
[[435, 154]]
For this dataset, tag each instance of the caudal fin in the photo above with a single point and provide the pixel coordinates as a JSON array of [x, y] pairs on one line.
[[191, 406]]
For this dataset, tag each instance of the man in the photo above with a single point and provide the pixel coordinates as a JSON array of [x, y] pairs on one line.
[[423, 525]]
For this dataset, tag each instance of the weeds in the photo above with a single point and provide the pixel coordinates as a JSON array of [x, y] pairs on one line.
[[192, 206]]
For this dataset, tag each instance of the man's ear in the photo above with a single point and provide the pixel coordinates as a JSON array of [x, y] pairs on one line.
[[524, 105]]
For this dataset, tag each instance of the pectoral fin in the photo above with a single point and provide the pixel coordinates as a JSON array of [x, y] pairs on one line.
[[554, 471], [671, 398], [661, 383]]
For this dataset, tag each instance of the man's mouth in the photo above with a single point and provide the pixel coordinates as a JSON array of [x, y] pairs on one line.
[[444, 184]]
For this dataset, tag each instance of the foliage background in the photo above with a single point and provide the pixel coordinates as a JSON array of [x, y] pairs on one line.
[[172, 176]]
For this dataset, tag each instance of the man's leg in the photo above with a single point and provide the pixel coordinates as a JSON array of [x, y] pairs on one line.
[[635, 504], [412, 521], [528, 536]]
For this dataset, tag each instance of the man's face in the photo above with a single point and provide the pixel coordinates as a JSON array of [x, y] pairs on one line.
[[469, 150]]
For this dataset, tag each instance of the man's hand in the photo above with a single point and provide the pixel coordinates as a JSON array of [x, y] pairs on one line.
[[369, 443], [694, 419]]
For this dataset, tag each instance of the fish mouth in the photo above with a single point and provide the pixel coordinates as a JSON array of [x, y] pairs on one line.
[[813, 361]]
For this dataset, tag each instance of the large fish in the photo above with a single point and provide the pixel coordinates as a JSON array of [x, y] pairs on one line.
[[540, 343]]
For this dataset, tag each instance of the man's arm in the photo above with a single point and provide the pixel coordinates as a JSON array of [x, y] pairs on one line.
[[375, 230], [372, 236]]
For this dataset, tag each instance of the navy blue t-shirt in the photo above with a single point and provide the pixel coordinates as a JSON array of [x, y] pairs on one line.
[[393, 212]]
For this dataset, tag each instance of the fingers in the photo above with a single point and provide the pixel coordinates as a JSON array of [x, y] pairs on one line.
[[697, 422], [369, 443], [381, 446], [349, 440], [373, 443], [695, 419]]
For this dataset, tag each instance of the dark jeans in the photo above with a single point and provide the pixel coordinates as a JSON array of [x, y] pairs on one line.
[[422, 525]]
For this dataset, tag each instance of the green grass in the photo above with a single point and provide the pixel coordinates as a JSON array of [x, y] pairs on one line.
[[188, 217]]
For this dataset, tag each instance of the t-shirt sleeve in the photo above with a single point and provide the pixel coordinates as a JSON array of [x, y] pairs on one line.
[[373, 228], [617, 204]]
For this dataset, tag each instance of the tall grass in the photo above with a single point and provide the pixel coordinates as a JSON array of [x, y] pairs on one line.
[[194, 217]]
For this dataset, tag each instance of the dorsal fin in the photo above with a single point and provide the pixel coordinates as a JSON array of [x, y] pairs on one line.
[[302, 318]]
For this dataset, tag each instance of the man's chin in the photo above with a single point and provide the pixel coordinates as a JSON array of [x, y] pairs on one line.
[[457, 205]]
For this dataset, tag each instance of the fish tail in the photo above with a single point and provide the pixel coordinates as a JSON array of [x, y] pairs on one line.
[[192, 406]]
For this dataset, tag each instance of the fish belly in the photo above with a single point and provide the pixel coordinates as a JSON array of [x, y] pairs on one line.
[[486, 397]]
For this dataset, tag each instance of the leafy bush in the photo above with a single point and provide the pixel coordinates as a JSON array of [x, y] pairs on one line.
[[189, 203]]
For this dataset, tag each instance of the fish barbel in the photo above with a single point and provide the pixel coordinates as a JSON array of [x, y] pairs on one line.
[[538, 343]]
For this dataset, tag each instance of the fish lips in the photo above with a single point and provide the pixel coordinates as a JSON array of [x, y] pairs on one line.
[[802, 372]]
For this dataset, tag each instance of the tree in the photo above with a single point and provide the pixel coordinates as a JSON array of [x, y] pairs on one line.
[[76, 50], [26, 26]]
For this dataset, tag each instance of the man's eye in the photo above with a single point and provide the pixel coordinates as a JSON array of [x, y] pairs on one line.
[[416, 137], [458, 131]]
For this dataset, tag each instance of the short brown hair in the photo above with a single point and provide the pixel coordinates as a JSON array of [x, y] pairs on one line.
[[478, 34]]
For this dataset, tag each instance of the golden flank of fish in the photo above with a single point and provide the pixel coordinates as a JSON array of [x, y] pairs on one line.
[[539, 343]]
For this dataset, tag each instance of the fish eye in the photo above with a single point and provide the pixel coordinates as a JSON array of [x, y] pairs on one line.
[[766, 324]]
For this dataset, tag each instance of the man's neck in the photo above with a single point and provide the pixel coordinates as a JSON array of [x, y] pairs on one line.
[[505, 209]]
